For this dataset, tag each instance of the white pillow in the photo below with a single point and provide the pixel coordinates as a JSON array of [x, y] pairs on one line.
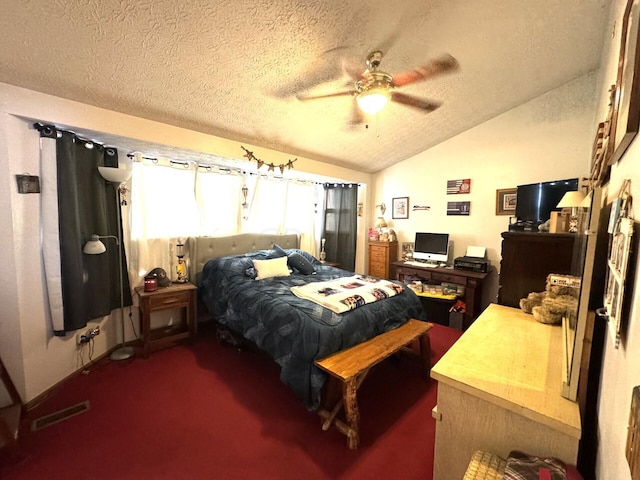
[[275, 267]]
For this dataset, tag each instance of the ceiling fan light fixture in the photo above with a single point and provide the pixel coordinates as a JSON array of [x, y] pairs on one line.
[[373, 99]]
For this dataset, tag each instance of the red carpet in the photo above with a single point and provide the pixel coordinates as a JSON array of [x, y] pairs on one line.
[[207, 411]]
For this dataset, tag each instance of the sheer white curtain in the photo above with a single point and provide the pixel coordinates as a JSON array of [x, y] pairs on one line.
[[266, 208], [169, 200], [163, 207], [282, 206], [219, 198], [300, 214]]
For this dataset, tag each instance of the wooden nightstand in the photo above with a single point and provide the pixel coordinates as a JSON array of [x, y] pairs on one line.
[[177, 295]]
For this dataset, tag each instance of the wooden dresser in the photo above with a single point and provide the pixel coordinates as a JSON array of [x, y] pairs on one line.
[[527, 259], [500, 389], [381, 256]]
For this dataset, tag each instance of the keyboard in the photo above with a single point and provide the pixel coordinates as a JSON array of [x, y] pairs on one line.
[[420, 264]]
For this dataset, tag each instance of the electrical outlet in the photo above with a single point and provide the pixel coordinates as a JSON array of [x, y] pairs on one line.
[[86, 337]]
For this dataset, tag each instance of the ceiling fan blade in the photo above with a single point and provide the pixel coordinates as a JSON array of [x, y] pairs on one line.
[[344, 93], [352, 68], [415, 102], [389, 41], [324, 69], [357, 117], [441, 65]]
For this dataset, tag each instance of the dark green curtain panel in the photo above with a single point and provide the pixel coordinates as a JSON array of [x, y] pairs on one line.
[[87, 204], [340, 223]]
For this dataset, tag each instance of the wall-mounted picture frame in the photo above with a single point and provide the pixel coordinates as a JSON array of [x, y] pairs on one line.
[[400, 207], [459, 208], [506, 201], [621, 228], [627, 106], [601, 148], [457, 187], [28, 183]]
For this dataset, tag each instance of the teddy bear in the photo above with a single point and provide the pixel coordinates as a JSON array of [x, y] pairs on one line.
[[556, 302]]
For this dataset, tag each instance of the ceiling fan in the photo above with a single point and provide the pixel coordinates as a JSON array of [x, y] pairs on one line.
[[373, 88]]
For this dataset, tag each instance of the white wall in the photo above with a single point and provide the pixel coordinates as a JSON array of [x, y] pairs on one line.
[[548, 138], [35, 359], [620, 372]]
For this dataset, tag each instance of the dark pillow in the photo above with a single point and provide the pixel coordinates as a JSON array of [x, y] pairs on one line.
[[278, 249], [297, 261]]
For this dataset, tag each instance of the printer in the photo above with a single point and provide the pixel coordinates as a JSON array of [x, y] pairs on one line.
[[474, 260]]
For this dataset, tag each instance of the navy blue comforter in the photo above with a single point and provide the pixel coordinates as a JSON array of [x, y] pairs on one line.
[[293, 331]]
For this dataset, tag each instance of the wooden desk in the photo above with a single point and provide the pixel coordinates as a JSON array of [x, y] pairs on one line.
[[177, 295], [499, 389], [472, 281]]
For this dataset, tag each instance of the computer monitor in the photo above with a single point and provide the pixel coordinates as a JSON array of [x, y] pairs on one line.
[[431, 247]]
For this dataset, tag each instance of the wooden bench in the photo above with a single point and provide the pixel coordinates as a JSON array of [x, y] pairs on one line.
[[351, 366]]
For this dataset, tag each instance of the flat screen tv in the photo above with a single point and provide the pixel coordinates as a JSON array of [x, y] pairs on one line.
[[431, 247], [536, 201]]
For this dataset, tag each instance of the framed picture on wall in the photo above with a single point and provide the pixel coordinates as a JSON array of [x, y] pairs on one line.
[[506, 201], [456, 187], [626, 118], [458, 208], [400, 207]]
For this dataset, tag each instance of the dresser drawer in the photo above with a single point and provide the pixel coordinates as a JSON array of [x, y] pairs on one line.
[[378, 271], [378, 264], [381, 254], [167, 301], [378, 255]]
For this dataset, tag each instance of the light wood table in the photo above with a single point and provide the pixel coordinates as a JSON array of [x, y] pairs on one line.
[[499, 389]]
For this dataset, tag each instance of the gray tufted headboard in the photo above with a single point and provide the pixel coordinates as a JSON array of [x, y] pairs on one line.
[[203, 249]]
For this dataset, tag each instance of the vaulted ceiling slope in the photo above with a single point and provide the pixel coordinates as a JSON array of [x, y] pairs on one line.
[[233, 68]]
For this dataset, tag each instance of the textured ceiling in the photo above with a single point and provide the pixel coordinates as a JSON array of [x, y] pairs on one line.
[[232, 68]]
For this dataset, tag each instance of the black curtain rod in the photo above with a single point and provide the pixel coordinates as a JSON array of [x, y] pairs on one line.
[[50, 130], [229, 169]]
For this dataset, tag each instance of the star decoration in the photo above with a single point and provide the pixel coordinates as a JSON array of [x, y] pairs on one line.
[[270, 166]]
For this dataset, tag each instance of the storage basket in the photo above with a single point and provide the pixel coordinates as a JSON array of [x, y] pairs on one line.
[[485, 466]]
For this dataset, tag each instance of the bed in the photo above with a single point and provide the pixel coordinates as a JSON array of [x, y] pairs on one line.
[[294, 331]]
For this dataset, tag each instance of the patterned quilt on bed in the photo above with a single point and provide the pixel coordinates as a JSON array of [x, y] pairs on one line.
[[294, 331], [348, 293]]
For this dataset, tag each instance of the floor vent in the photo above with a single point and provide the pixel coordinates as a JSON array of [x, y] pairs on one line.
[[55, 417]]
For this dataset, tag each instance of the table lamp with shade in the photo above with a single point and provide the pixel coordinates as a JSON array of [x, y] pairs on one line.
[[116, 176], [380, 224], [572, 200]]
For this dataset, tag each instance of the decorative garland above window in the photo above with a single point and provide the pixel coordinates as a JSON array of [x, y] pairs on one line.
[[271, 167]]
